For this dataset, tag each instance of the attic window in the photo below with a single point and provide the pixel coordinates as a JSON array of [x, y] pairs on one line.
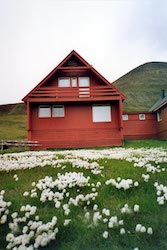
[[44, 111], [142, 116], [84, 81], [64, 82]]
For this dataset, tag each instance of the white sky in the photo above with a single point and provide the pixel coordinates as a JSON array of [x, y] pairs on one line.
[[114, 36]]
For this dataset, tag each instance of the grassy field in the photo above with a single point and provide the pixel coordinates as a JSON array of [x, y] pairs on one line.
[[13, 126], [90, 223]]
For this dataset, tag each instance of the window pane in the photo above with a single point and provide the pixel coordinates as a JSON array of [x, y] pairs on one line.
[[64, 82], [142, 117], [125, 117], [74, 82], [159, 116], [84, 82], [102, 113], [44, 111], [58, 111]]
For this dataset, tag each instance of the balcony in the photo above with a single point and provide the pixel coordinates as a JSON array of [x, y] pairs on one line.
[[72, 94]]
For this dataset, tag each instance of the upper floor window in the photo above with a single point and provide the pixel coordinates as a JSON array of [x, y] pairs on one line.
[[73, 82], [44, 111], [142, 116], [64, 82], [83, 82]]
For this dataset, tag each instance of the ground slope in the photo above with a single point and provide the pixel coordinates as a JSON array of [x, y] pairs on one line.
[[143, 85]]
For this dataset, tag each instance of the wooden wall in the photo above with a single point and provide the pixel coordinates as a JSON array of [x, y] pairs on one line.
[[76, 129], [140, 129], [162, 125]]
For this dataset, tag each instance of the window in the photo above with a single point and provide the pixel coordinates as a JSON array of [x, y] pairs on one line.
[[74, 82], [125, 117], [64, 82], [142, 117], [58, 111], [84, 81], [159, 116], [44, 111], [101, 113]]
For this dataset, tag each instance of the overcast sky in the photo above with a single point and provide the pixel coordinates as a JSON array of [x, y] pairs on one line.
[[114, 36]]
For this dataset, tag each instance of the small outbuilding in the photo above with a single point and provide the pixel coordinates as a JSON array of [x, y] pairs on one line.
[[160, 110]]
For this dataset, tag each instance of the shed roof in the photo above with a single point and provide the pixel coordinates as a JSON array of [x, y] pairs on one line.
[[159, 104]]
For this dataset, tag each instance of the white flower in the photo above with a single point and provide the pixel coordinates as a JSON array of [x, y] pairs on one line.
[[149, 230], [142, 229], [66, 222], [138, 227], [105, 234], [122, 231], [57, 204], [14, 215], [87, 215], [136, 184], [9, 237], [25, 194], [95, 207], [3, 219], [136, 208]]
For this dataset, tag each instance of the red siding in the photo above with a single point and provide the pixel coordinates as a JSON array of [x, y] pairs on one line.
[[76, 129], [162, 125], [140, 129]]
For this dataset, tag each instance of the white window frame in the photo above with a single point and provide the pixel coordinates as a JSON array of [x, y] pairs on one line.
[[83, 81], [46, 113], [125, 117], [58, 111], [159, 116], [101, 113], [64, 82], [142, 117]]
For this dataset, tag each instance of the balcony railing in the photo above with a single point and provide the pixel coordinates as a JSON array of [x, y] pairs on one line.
[[75, 93]]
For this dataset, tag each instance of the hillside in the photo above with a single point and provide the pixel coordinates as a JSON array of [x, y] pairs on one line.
[[12, 109], [143, 85], [13, 121]]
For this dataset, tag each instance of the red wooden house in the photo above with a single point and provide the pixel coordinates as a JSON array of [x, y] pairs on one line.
[[74, 106]]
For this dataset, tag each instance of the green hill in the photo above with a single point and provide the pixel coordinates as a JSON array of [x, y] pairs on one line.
[[12, 109], [143, 85]]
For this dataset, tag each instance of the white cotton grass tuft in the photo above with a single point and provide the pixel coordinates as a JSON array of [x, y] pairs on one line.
[[122, 230], [136, 208], [105, 234]]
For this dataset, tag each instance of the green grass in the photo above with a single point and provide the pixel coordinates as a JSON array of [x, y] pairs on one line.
[[145, 144], [12, 126], [80, 235]]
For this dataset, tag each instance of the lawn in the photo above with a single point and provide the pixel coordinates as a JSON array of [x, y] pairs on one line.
[[111, 198]]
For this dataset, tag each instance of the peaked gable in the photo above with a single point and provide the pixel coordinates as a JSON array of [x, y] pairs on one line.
[[73, 61]]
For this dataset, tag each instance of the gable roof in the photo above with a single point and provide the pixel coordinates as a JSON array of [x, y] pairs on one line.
[[159, 104], [73, 59]]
